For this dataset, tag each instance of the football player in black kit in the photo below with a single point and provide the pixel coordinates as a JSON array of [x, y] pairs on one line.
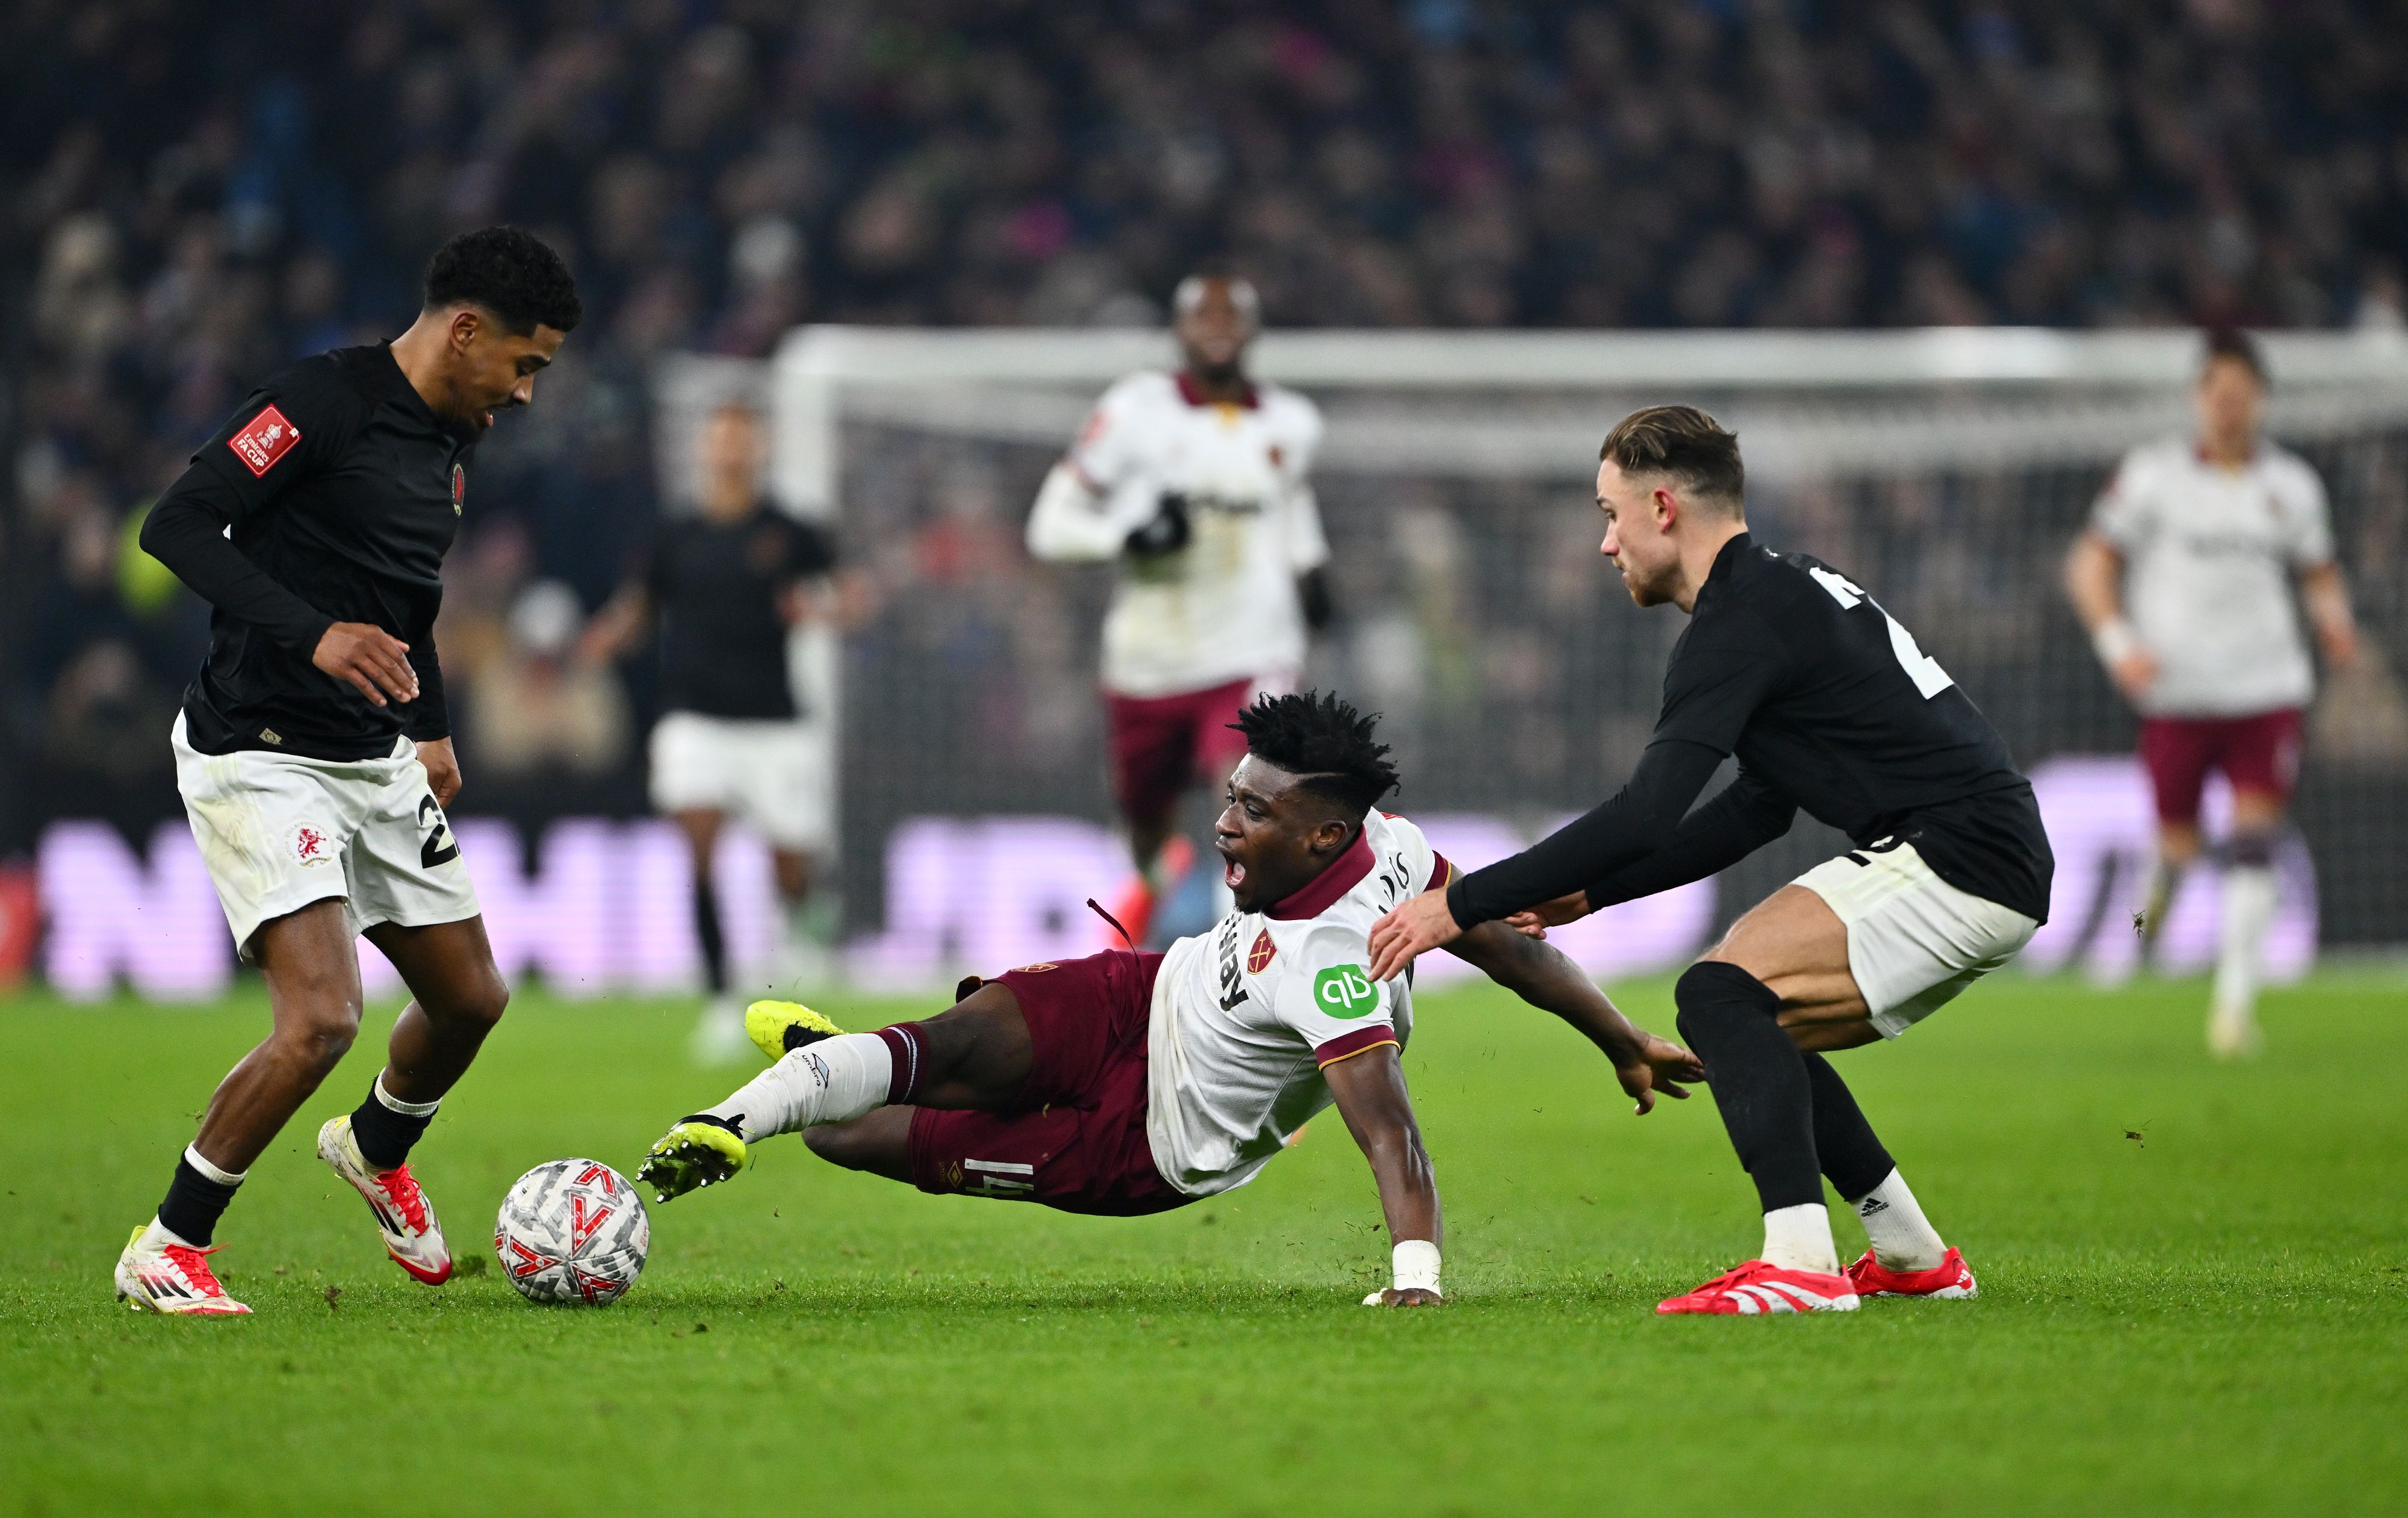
[[725, 587], [1832, 707], [314, 752]]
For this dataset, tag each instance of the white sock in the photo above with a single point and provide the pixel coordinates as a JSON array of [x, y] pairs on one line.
[[159, 1235], [2248, 909], [1799, 1238], [833, 1081], [194, 1157], [1902, 1237], [391, 1103]]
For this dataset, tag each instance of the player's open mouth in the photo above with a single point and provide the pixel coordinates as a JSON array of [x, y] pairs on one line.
[[1232, 873]]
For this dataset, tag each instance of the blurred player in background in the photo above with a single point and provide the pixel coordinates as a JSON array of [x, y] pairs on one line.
[[725, 587], [1195, 484], [314, 749], [2184, 580]]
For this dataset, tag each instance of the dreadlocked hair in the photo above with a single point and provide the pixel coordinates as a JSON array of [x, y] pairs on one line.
[[1322, 741]]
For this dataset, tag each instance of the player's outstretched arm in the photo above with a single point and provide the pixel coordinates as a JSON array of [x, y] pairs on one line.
[[1370, 1088], [615, 629], [2326, 595], [1541, 975], [2094, 583], [1071, 522]]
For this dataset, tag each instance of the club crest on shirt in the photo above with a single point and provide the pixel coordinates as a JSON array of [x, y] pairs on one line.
[[459, 488], [263, 440], [1259, 958], [311, 846]]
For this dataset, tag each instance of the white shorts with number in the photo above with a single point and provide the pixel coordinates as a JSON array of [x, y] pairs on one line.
[[277, 832], [1915, 941], [778, 776]]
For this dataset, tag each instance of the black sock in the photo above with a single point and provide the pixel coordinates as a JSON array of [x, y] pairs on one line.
[[706, 933], [383, 1134], [1758, 1079], [193, 1204], [1844, 1143]]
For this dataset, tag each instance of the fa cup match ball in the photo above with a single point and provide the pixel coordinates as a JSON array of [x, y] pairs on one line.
[[572, 1231]]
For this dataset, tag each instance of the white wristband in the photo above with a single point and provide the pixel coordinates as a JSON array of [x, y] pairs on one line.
[[2115, 641], [1415, 1265]]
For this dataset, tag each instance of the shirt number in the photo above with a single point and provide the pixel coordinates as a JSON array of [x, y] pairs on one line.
[[1920, 667]]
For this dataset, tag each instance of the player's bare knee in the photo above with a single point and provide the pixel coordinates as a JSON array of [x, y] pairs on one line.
[[482, 1003], [314, 1040]]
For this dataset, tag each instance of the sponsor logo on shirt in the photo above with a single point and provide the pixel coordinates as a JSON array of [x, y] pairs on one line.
[[1233, 990], [1345, 990], [1259, 958], [267, 437]]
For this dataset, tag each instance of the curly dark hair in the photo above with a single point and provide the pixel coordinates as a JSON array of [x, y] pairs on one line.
[[510, 272], [1325, 743]]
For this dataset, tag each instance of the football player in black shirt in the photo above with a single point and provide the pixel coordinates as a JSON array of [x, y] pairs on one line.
[[726, 587], [1830, 708], [314, 752]]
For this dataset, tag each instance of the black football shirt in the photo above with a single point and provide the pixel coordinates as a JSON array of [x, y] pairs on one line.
[[717, 587], [1831, 709], [340, 491]]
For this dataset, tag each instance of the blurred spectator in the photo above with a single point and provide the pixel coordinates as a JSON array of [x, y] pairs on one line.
[[534, 709], [189, 195]]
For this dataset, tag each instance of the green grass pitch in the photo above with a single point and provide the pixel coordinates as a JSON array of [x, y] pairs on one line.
[[2193, 1295]]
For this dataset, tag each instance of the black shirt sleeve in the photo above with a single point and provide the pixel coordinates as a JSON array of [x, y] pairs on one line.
[[288, 429], [1722, 671], [186, 532], [810, 550], [651, 565], [1618, 833], [1741, 818], [430, 717]]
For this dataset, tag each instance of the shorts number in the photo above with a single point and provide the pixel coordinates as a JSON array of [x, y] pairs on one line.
[[1920, 667], [438, 848]]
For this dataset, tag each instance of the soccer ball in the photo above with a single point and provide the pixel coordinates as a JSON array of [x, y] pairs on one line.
[[572, 1231]]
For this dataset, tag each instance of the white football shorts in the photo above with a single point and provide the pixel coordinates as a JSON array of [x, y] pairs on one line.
[[778, 776], [278, 831], [1915, 941]]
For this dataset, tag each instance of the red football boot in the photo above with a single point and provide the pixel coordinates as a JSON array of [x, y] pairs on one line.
[[1761, 1286], [1950, 1278]]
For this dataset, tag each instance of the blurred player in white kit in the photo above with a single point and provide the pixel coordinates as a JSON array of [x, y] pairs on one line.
[[1195, 485], [2185, 581]]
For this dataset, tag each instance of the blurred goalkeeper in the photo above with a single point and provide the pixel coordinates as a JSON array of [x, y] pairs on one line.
[[1195, 484], [2183, 578], [2185, 584]]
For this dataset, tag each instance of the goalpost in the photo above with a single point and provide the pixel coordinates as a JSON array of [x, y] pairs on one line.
[[1945, 469]]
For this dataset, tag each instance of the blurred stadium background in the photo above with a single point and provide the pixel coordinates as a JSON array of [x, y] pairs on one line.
[[1822, 219]]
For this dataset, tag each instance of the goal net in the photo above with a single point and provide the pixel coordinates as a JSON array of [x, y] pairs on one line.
[[1944, 470]]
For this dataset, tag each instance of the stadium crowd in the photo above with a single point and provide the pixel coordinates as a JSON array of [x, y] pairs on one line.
[[195, 194]]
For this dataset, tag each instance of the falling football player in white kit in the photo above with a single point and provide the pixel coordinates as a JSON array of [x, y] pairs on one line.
[[1126, 1084], [2185, 579], [1195, 484]]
